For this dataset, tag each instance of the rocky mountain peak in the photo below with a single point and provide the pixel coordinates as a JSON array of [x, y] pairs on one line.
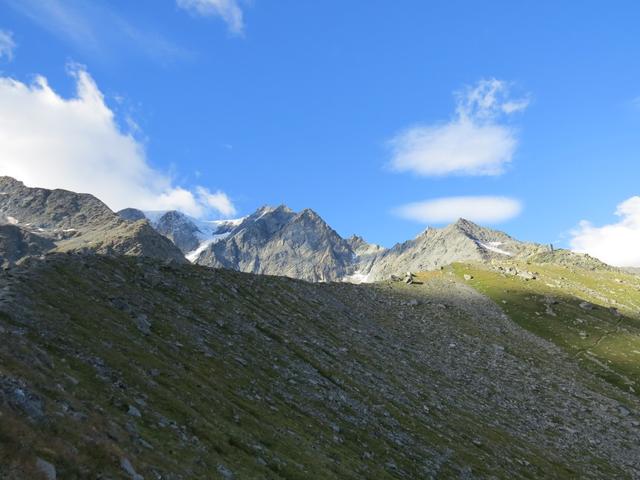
[[75, 222], [9, 182], [279, 241], [265, 221], [57, 210], [189, 234], [271, 211], [180, 229], [132, 214], [310, 214], [465, 225]]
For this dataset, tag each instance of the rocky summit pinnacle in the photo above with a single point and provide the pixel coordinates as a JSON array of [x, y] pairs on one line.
[[38, 220], [179, 229], [278, 241]]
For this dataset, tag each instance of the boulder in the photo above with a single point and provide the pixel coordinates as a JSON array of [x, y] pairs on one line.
[[47, 469]]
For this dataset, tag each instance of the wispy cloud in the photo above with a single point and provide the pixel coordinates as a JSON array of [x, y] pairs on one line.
[[483, 209], [7, 45], [228, 10], [218, 201], [476, 141], [76, 143], [617, 243], [95, 28]]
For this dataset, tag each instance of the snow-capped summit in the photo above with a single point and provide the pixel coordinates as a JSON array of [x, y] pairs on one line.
[[189, 234]]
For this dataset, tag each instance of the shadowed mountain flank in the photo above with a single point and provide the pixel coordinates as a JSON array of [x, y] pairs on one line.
[[177, 371]]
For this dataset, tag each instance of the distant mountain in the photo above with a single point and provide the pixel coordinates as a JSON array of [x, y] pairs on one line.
[[190, 235], [37, 220], [272, 241], [132, 214], [632, 270], [279, 241], [462, 241]]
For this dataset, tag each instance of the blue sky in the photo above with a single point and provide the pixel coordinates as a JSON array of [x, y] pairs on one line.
[[355, 109]]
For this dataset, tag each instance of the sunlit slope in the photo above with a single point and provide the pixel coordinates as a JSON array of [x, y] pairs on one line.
[[593, 314]]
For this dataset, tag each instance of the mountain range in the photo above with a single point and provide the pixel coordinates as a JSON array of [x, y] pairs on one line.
[[271, 241], [279, 241]]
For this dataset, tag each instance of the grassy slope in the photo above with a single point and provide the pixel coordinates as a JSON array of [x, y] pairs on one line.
[[272, 378], [604, 337]]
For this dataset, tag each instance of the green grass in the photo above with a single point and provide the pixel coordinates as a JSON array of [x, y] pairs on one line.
[[549, 306]]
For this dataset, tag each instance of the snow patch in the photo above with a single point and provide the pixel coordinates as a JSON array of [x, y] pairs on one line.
[[193, 255], [357, 277], [210, 228], [12, 220], [266, 211], [493, 246]]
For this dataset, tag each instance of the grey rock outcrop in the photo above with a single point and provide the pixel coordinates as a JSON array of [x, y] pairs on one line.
[[46, 468], [17, 243]]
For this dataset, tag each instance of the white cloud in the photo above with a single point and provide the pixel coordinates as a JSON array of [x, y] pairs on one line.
[[76, 144], [97, 28], [474, 142], [482, 209], [229, 10], [616, 244], [218, 201], [7, 45]]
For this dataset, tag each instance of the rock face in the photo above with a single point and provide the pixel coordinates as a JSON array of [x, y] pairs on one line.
[[17, 243], [278, 241], [177, 227], [72, 222]]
